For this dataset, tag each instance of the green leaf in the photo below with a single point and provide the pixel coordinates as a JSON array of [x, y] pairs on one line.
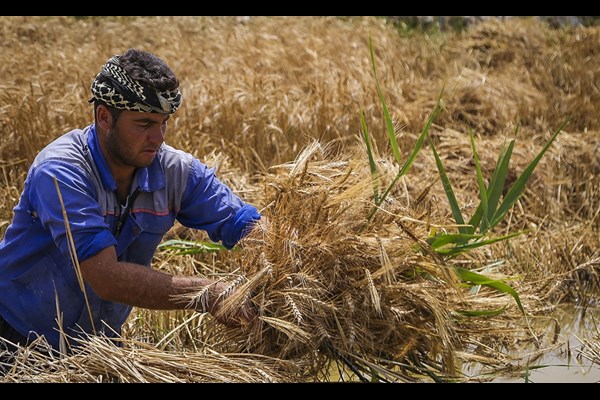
[[458, 218], [372, 163], [451, 238], [452, 251], [476, 218], [392, 138], [386, 114], [409, 162], [424, 133], [190, 247], [519, 186], [483, 195], [478, 279], [497, 183]]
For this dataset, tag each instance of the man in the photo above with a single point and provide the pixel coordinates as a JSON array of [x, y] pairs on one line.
[[122, 188]]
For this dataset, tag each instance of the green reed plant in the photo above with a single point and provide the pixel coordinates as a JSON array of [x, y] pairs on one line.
[[379, 198], [490, 212], [492, 206]]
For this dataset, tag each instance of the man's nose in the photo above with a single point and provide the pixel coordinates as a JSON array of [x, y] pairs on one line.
[[157, 134]]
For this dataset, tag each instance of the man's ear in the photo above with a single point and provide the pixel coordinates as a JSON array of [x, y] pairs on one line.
[[104, 117]]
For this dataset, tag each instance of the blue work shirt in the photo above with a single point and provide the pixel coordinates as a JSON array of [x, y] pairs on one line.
[[37, 274]]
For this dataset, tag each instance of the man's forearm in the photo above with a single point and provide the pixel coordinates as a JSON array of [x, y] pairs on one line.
[[144, 287], [139, 286]]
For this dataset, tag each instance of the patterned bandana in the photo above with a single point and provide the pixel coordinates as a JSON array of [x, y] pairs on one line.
[[124, 93]]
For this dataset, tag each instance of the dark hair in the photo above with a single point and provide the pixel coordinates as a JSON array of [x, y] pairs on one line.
[[145, 68], [149, 70]]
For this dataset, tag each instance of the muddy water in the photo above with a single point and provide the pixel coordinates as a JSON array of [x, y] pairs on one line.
[[565, 364], [562, 364]]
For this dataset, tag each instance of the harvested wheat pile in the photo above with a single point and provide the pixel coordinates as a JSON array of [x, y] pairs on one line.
[[101, 360], [371, 300], [379, 301]]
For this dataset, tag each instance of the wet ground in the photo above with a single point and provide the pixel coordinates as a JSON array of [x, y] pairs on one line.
[[566, 364]]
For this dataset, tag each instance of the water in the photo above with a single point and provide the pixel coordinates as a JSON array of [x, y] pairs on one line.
[[565, 364]]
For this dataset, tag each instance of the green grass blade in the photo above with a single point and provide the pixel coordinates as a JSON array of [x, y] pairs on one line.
[[413, 155], [519, 186], [452, 251], [190, 247], [497, 183], [451, 238], [418, 145], [478, 279], [392, 137], [372, 163], [424, 133], [476, 218], [483, 195], [386, 114], [458, 218], [498, 163]]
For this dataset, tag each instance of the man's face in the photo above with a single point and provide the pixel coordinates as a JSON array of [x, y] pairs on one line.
[[135, 138]]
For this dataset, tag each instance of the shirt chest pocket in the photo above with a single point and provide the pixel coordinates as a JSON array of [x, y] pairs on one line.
[[141, 234]]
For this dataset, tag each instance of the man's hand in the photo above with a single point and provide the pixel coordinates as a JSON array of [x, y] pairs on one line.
[[239, 316]]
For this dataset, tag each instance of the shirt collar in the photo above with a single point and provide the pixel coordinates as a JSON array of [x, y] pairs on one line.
[[149, 179]]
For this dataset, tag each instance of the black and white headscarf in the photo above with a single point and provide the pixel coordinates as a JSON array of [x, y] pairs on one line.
[[124, 93]]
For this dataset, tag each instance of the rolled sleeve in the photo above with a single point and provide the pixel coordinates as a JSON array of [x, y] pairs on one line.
[[210, 205], [86, 221]]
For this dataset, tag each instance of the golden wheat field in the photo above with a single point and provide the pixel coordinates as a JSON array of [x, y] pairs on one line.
[[274, 103]]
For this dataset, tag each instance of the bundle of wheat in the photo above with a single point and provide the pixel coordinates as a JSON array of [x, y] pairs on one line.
[[381, 302]]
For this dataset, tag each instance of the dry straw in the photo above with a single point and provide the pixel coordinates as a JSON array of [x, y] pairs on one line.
[[102, 360], [261, 91], [325, 293]]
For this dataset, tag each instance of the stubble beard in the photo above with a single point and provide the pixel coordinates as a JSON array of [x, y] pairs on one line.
[[122, 152]]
